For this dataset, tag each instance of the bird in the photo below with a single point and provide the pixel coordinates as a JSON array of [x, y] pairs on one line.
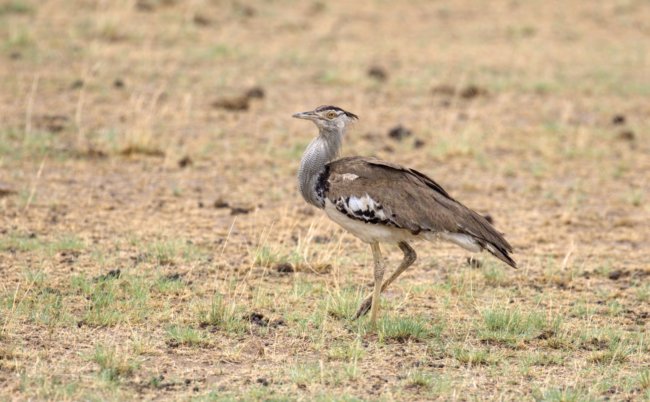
[[383, 202]]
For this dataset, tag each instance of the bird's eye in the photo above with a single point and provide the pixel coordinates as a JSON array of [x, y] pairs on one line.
[[331, 115]]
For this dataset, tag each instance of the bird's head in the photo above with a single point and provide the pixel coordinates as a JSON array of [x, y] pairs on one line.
[[328, 118]]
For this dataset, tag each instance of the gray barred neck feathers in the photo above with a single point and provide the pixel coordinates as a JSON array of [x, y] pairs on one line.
[[312, 180]]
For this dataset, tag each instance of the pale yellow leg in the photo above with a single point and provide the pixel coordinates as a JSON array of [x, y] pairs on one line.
[[379, 277], [409, 258]]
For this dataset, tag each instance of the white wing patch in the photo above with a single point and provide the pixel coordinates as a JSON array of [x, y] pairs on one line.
[[363, 208], [349, 176]]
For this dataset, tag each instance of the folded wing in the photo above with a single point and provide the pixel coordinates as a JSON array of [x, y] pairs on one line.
[[378, 192]]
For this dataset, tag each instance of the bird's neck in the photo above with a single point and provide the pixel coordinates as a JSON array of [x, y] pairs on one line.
[[322, 150]]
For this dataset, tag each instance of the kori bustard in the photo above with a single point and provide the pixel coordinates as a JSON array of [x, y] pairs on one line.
[[381, 202]]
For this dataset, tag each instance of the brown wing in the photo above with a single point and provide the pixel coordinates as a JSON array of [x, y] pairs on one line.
[[410, 200]]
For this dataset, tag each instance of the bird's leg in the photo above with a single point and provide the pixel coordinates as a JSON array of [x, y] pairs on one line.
[[379, 277], [409, 259]]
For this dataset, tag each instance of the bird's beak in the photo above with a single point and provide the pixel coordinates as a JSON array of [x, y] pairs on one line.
[[305, 115]]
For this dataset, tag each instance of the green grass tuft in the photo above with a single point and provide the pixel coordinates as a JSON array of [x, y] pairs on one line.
[[113, 367], [350, 351], [343, 304], [568, 394], [512, 326], [404, 329], [15, 7], [24, 242], [474, 357], [177, 335], [222, 315]]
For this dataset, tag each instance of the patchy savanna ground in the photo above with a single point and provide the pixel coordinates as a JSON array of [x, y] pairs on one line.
[[153, 243]]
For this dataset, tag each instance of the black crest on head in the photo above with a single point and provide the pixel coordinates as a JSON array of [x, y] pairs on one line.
[[338, 109]]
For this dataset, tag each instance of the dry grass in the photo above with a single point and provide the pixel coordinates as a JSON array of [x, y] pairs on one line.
[[153, 244]]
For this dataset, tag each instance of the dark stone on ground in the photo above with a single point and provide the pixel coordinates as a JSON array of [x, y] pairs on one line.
[[284, 267], [241, 210], [472, 91], [399, 132], [185, 161], [418, 143], [201, 20], [618, 119], [235, 103], [220, 203], [255, 93], [173, 277], [443, 89], [378, 73], [258, 319], [626, 135], [112, 274], [615, 275]]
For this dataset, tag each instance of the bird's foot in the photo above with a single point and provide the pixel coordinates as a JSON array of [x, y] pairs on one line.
[[363, 308]]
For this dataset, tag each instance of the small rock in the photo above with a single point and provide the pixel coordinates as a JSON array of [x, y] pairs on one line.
[[245, 10], [378, 73], [185, 161], [235, 103], [399, 132], [6, 190], [278, 323], [76, 84], [53, 123], [255, 93], [112, 274], [443, 89], [472, 91], [258, 319], [626, 135], [132, 150], [284, 267], [418, 143], [618, 119], [239, 102], [321, 239], [201, 20], [241, 210], [220, 203], [172, 277], [615, 275], [546, 334], [92, 153]]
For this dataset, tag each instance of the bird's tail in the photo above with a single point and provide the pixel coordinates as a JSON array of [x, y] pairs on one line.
[[473, 242], [475, 233], [488, 238], [501, 253]]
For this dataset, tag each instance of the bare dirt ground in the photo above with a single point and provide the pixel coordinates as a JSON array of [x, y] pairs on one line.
[[153, 243]]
